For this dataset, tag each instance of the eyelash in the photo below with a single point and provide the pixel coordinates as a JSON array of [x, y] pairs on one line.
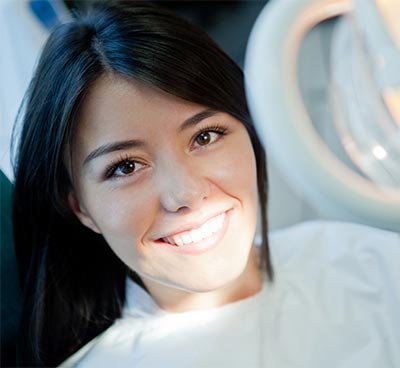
[[110, 170], [218, 129]]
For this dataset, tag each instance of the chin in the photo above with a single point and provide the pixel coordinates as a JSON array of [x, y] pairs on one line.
[[219, 279]]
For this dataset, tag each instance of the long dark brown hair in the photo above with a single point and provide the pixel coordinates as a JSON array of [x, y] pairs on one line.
[[74, 285]]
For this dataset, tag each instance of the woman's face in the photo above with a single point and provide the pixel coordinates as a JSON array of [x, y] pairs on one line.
[[171, 185]]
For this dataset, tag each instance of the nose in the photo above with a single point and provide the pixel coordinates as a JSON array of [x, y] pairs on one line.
[[182, 185]]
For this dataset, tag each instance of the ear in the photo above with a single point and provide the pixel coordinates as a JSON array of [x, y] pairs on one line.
[[81, 213]]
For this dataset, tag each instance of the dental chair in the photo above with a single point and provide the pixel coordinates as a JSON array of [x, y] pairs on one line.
[[10, 289]]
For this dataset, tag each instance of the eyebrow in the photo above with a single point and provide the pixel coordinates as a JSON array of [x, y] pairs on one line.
[[193, 120], [134, 143], [112, 147]]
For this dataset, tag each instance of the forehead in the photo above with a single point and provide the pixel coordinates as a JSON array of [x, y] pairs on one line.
[[118, 105]]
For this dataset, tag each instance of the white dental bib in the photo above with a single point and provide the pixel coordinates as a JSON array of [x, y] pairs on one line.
[[335, 303]]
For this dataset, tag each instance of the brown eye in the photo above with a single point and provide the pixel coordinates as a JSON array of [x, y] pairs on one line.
[[208, 136], [203, 138], [126, 167]]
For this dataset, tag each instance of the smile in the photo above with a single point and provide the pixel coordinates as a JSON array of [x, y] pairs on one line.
[[207, 230]]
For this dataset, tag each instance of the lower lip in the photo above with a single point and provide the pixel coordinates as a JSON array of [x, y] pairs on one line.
[[203, 245]]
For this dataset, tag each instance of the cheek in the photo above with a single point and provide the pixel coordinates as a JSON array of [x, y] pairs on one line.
[[235, 170], [123, 218]]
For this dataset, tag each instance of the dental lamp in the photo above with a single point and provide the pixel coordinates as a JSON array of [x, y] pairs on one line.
[[348, 163]]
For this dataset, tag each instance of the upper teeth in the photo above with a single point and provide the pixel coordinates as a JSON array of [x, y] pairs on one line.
[[204, 231]]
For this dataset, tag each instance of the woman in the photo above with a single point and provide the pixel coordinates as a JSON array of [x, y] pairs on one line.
[[138, 178], [136, 140]]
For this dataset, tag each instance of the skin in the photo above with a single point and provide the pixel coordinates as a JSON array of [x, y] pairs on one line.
[[177, 181]]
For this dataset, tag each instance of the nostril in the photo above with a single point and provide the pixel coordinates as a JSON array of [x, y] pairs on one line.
[[183, 190]]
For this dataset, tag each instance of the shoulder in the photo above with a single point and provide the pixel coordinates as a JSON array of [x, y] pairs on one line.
[[337, 291], [335, 265], [116, 341], [138, 315]]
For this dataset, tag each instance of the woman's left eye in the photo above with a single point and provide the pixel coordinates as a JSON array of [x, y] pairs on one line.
[[209, 136], [125, 168]]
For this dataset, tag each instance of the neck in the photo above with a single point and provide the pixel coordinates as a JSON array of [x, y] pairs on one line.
[[176, 300]]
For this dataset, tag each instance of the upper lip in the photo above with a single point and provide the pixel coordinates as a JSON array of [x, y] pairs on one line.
[[190, 225]]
